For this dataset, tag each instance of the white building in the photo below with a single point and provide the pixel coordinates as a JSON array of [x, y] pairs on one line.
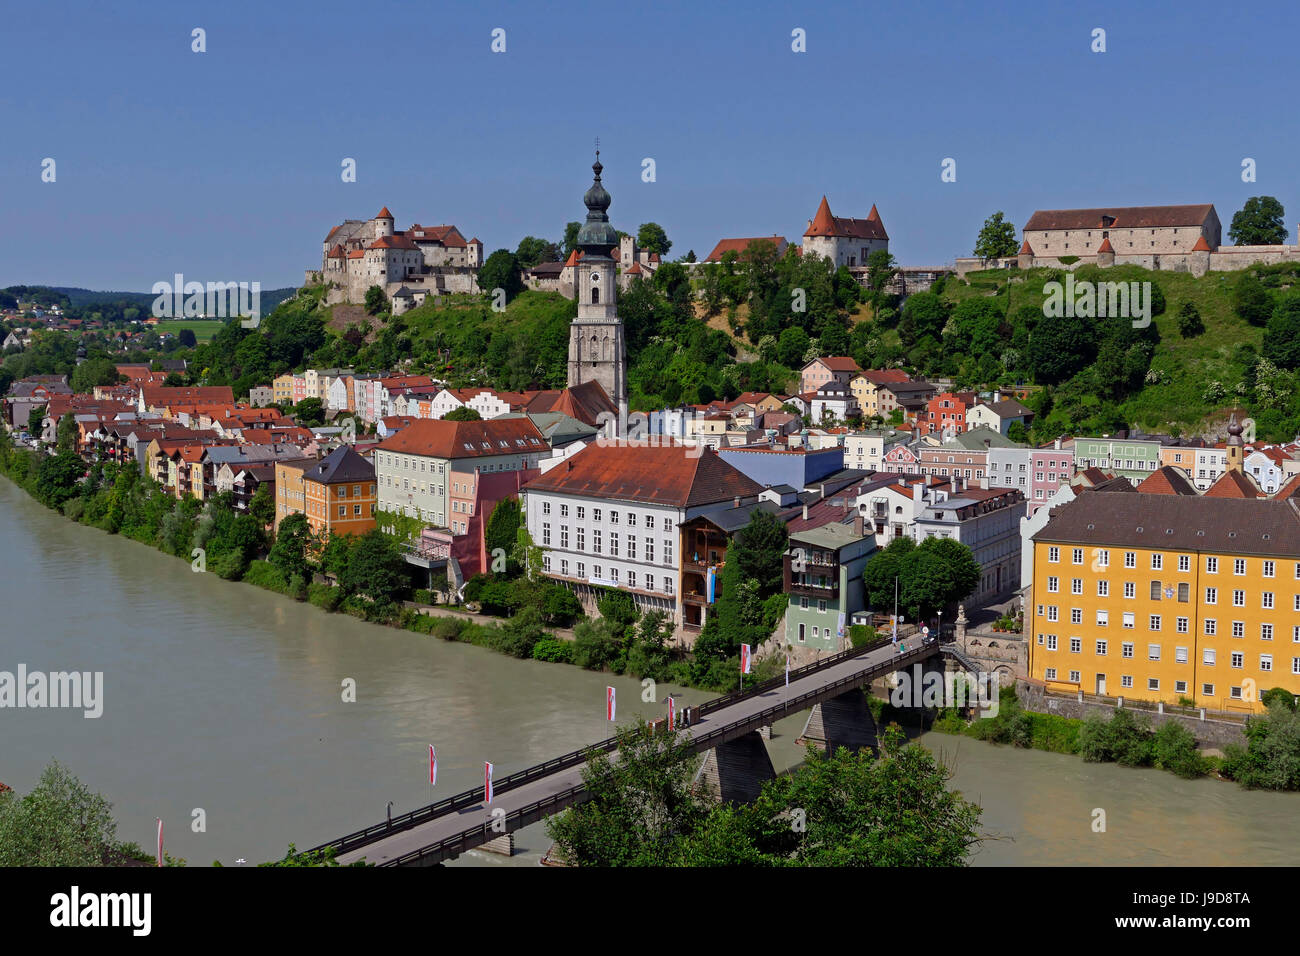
[[988, 522]]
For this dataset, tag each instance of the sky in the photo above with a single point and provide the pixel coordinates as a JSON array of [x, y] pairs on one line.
[[225, 165]]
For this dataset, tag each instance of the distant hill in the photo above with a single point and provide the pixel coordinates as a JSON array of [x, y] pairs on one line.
[[88, 297]]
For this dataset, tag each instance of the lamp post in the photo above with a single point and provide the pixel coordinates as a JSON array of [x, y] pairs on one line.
[[940, 637]]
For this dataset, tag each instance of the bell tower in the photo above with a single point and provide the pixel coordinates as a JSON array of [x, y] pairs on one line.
[[597, 351]]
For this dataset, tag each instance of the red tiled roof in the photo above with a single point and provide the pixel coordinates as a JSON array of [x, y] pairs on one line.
[[740, 246], [392, 242], [1025, 250], [1125, 217], [384, 214], [1105, 245], [1233, 484], [438, 438], [1201, 245], [1166, 480], [169, 396], [841, 363], [336, 252], [655, 474], [1289, 489], [825, 224]]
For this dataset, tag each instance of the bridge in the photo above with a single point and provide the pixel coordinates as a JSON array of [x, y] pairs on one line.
[[728, 725]]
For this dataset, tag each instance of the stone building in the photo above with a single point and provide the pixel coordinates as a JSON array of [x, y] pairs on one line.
[[359, 253], [845, 242]]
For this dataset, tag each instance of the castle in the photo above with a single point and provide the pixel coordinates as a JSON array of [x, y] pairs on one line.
[[1172, 238], [408, 265]]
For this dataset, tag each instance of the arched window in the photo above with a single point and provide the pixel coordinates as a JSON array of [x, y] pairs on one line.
[[595, 295]]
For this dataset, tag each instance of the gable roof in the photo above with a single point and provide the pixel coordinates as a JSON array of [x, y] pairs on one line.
[[740, 246], [1125, 217], [664, 474], [1233, 484], [439, 438], [1166, 480], [836, 363]]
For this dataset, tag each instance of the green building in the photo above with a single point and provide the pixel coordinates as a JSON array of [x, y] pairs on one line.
[[823, 577], [1133, 458]]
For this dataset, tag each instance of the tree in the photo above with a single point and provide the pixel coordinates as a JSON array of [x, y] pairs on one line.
[[533, 250], [758, 550], [570, 238], [652, 238], [309, 413], [66, 433], [174, 380], [1261, 222], [92, 372], [791, 347], [1251, 300], [881, 266], [1059, 347], [62, 822], [1281, 343], [462, 414], [57, 478], [262, 506], [997, 238], [1189, 321], [924, 313], [187, 338], [374, 568], [1017, 433], [501, 534], [293, 543], [376, 301], [501, 271]]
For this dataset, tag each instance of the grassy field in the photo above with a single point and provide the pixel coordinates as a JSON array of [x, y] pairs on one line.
[[203, 329]]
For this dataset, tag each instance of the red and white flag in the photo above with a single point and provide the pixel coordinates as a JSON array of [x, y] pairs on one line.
[[609, 703], [433, 766], [744, 659], [487, 783], [160, 828], [672, 714]]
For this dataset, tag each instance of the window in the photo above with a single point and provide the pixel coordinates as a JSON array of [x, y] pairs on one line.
[[1051, 642], [613, 544], [1130, 559], [595, 541], [668, 551], [1180, 655], [1049, 674], [650, 550], [343, 510], [1207, 657], [1207, 690], [1052, 613], [356, 510], [1268, 569], [1210, 626], [1153, 652], [1153, 683], [582, 539], [1212, 566], [595, 514], [1076, 615], [613, 516], [1238, 566], [564, 511], [1154, 624], [631, 547], [1211, 595], [564, 568], [1076, 645], [1126, 680], [1130, 619], [1053, 585], [1077, 555], [1074, 677], [1238, 598], [821, 607], [668, 584], [1102, 558], [631, 579], [1157, 562], [1267, 600], [546, 507], [1103, 618], [1238, 628], [1053, 553], [581, 511], [1182, 625], [1076, 585], [1238, 659], [1184, 593], [1101, 648], [1126, 649], [1266, 662], [1103, 589], [1155, 590], [1130, 589], [564, 536], [1184, 563]]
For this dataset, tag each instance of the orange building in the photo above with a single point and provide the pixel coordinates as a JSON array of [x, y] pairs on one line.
[[338, 493]]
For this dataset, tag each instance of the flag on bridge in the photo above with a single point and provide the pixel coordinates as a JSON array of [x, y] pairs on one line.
[[160, 829], [744, 659], [487, 783], [609, 703], [672, 714], [433, 766]]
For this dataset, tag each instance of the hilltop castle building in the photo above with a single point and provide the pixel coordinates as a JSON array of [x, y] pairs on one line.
[[597, 351], [408, 264]]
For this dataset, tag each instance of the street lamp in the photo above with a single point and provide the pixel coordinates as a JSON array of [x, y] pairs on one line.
[[940, 636]]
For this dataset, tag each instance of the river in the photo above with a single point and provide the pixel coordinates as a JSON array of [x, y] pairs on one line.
[[227, 699]]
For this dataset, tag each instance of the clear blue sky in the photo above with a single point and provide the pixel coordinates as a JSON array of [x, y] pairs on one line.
[[225, 165]]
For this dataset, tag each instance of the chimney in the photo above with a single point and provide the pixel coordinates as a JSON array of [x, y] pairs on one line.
[[570, 464], [916, 491], [929, 480], [956, 484], [857, 525], [735, 502], [1057, 444], [805, 512]]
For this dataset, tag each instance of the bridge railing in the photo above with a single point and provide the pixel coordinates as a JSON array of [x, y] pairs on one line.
[[481, 833], [468, 798]]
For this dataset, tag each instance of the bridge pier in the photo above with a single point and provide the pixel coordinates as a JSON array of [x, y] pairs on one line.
[[735, 771], [843, 721]]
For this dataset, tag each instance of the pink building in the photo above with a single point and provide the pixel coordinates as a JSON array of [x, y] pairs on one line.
[[472, 495], [1049, 468]]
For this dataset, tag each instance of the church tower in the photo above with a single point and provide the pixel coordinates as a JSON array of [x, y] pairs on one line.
[[596, 348]]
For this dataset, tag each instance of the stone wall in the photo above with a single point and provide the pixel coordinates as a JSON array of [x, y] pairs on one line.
[[1209, 732]]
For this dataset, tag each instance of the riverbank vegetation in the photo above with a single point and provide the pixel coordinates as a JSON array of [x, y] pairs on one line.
[[841, 809], [366, 576]]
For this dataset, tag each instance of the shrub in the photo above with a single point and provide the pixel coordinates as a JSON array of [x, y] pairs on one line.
[[553, 650], [1174, 749], [861, 634], [424, 596], [1124, 739], [522, 632], [324, 596], [447, 628], [594, 645], [73, 508], [263, 574]]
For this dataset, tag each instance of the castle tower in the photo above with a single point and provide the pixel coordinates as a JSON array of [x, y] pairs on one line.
[[596, 347], [1234, 445], [383, 223]]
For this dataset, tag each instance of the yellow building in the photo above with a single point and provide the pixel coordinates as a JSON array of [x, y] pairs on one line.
[[282, 390], [1168, 597]]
